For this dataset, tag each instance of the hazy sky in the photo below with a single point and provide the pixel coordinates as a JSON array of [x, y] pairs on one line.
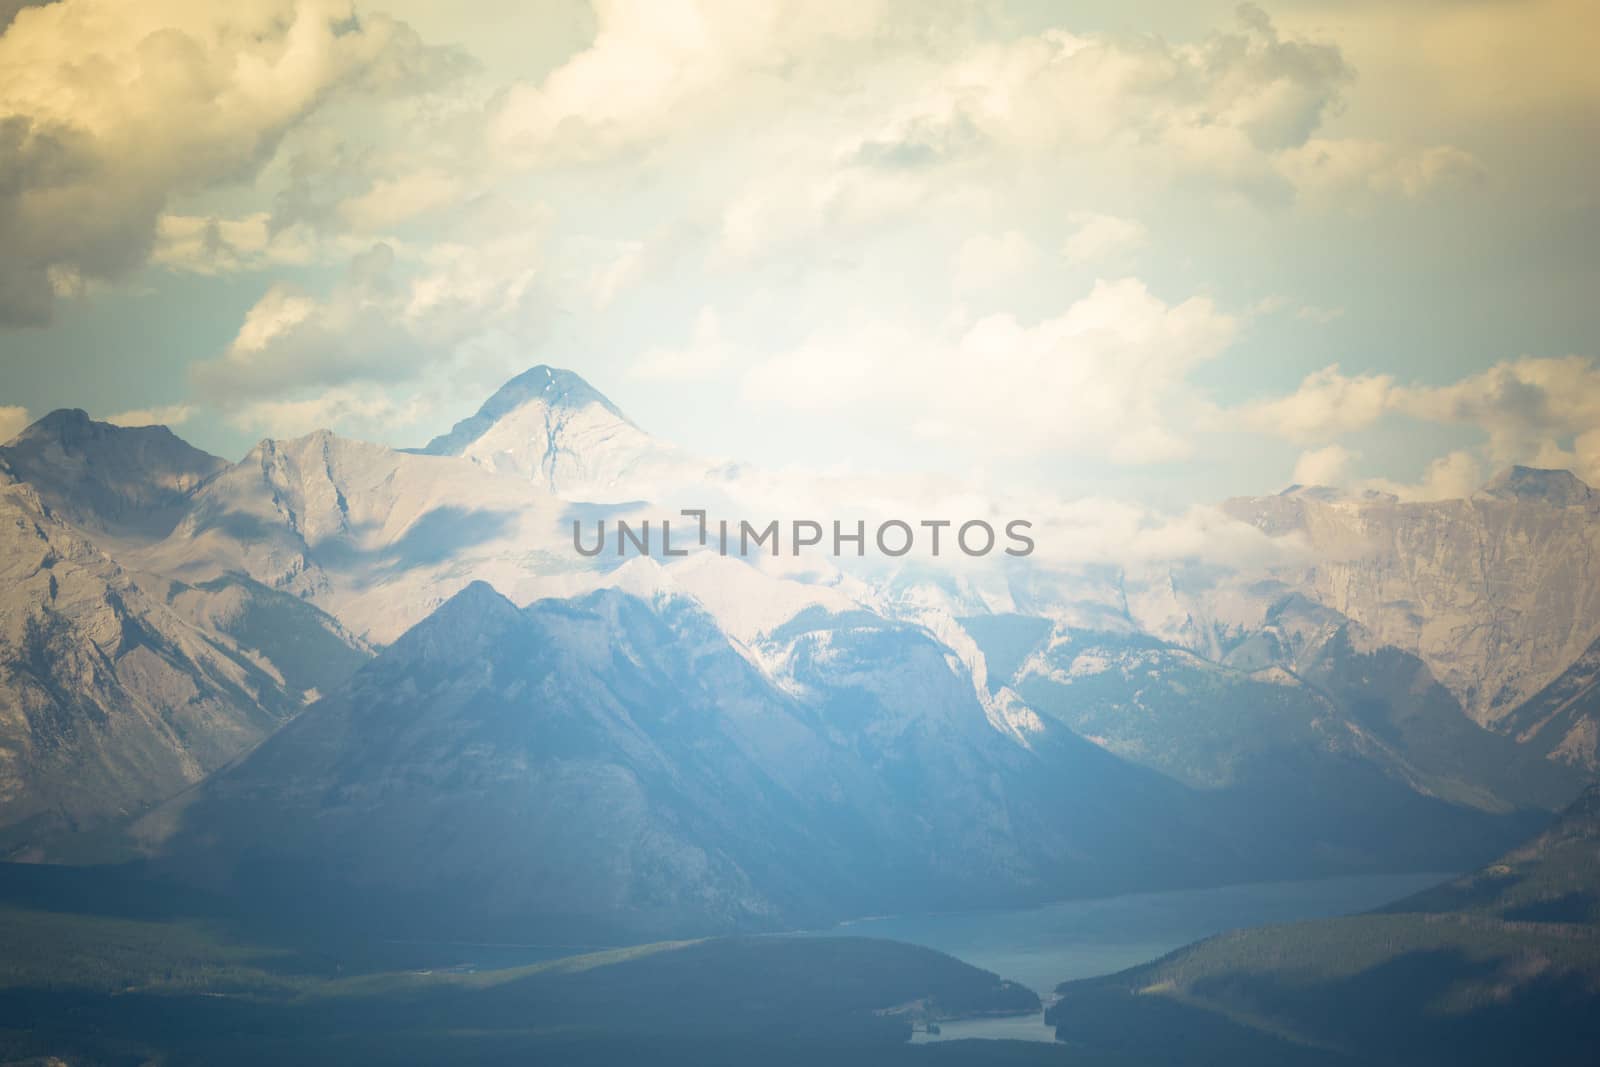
[[1161, 251]]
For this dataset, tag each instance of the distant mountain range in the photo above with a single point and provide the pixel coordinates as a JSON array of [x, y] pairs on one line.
[[340, 666]]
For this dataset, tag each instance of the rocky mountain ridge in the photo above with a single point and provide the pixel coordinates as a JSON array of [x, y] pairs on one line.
[[118, 688], [1354, 671], [1497, 594], [618, 766]]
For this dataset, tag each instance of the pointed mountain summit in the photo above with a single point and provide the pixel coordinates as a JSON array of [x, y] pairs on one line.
[[553, 387], [127, 481], [463, 627], [1558, 488], [551, 426]]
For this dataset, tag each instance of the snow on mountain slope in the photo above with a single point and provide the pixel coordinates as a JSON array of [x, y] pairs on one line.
[[378, 538], [609, 761], [1168, 708], [1307, 689], [753, 599], [868, 685], [375, 537], [1497, 594], [551, 427], [749, 601]]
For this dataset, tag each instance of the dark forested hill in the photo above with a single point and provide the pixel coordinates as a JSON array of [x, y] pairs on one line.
[[1500, 966]]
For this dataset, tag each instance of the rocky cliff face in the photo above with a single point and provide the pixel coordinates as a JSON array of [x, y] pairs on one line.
[[114, 694], [1561, 722], [616, 764], [125, 483], [610, 762], [374, 536], [1497, 594]]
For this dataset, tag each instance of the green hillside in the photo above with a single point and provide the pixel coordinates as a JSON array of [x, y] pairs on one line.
[[117, 972]]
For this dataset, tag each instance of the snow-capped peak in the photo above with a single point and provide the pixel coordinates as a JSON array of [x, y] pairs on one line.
[[549, 387], [551, 426]]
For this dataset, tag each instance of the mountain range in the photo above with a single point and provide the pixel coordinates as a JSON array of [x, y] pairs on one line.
[[340, 667]]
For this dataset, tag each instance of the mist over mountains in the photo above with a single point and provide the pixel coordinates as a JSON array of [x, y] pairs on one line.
[[385, 674]]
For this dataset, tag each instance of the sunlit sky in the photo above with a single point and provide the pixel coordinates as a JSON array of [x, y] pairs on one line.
[[1160, 251]]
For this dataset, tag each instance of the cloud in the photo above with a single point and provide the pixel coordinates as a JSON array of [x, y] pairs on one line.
[[392, 201], [1072, 534], [1484, 63], [1106, 377], [654, 64], [704, 355], [1328, 404], [386, 324], [1527, 409], [350, 410], [986, 260], [1324, 466], [882, 114], [180, 96], [609, 267], [1098, 237], [816, 204], [13, 420], [1334, 172], [170, 415], [1521, 404], [1583, 459], [219, 245], [1095, 531], [10, 9], [1322, 316], [1452, 477], [623, 270], [830, 171], [950, 126], [1223, 105], [292, 338]]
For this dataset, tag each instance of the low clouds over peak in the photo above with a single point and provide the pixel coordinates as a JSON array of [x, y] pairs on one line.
[[1013, 236]]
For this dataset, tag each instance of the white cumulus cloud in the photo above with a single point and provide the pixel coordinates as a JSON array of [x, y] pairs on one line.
[[1329, 465], [13, 420], [1107, 376], [167, 415], [179, 95]]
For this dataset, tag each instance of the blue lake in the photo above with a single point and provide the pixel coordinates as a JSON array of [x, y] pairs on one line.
[[1044, 946]]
